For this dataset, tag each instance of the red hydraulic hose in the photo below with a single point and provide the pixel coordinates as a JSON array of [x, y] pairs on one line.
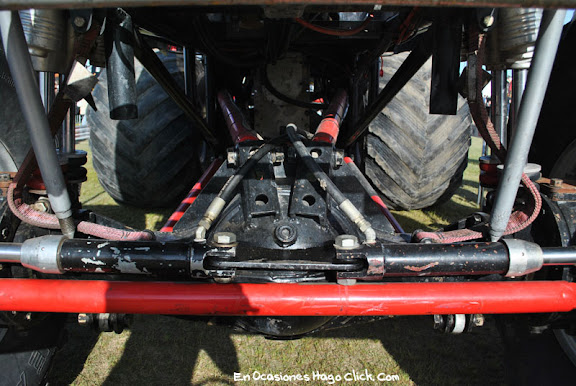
[[191, 197], [86, 296], [237, 126], [519, 220], [335, 32], [329, 127], [46, 220]]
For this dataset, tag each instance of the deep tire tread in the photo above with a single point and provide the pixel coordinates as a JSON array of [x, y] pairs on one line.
[[150, 161], [413, 158]]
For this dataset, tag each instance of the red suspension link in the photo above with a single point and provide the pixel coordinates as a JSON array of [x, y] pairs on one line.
[[191, 197], [286, 299]]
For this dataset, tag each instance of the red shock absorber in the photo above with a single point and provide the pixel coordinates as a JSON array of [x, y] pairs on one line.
[[239, 129], [329, 127]]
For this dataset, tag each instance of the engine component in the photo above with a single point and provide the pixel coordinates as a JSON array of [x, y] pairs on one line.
[[511, 43], [49, 38], [287, 77]]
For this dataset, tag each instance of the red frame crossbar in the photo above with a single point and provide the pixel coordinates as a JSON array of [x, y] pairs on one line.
[[286, 299]]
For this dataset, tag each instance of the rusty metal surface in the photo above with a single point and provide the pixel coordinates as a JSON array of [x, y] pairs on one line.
[[22, 4]]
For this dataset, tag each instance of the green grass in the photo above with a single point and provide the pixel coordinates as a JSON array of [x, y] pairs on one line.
[[161, 350]]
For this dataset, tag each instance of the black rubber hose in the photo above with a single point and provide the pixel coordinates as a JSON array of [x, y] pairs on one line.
[[325, 181], [287, 99], [230, 186]]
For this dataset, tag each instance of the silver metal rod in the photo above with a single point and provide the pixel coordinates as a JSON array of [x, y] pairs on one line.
[[46, 83], [24, 78], [559, 255], [68, 145], [538, 76], [499, 105], [10, 252], [518, 85]]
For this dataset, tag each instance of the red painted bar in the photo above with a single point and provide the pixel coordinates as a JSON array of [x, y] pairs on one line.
[[191, 197], [286, 299]]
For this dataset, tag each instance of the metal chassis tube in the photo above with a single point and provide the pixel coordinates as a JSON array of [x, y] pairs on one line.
[[538, 76], [36, 295], [34, 113]]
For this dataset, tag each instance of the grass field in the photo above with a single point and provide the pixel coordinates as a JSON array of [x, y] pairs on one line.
[[160, 350]]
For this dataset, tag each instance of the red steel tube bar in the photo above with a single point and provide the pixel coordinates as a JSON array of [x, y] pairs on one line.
[[37, 295], [329, 127], [237, 125], [191, 197]]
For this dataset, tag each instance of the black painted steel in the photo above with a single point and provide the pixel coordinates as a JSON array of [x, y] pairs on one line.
[[445, 259], [127, 257], [122, 96]]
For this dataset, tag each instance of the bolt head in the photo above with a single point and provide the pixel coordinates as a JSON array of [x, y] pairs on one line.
[[488, 21], [556, 182], [40, 206], [315, 153], [224, 238], [79, 21], [83, 319], [346, 242], [232, 158], [478, 320]]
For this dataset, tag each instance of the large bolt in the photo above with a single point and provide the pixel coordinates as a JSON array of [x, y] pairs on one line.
[[556, 182], [232, 158], [346, 242], [285, 235], [488, 21], [477, 320], [83, 319], [224, 238], [79, 21], [277, 157], [40, 206]]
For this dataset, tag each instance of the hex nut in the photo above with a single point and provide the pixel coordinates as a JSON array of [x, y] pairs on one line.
[[488, 21], [556, 182], [224, 238], [79, 21], [232, 158], [346, 242], [478, 320], [83, 319]]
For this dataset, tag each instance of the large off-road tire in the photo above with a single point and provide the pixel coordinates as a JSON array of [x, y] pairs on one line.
[[150, 161], [416, 159]]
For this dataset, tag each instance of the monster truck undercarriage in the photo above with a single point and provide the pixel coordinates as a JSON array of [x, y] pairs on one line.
[[283, 222]]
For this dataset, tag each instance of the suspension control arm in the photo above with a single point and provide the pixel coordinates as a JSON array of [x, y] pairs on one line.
[[56, 255]]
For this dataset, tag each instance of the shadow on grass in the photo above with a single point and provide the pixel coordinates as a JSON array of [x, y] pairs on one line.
[[159, 351], [165, 350], [133, 217]]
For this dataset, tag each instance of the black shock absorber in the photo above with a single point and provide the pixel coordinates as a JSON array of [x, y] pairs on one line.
[[120, 64]]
